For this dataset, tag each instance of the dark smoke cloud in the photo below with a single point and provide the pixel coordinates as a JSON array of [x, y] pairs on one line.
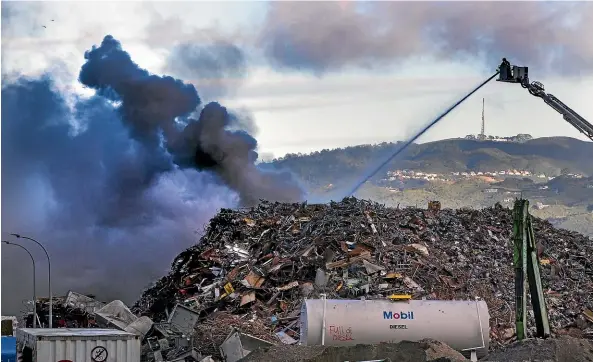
[[215, 68], [325, 36], [151, 104], [83, 192], [232, 155], [118, 183]]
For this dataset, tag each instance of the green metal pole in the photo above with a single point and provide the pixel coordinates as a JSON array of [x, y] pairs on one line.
[[535, 285], [520, 264]]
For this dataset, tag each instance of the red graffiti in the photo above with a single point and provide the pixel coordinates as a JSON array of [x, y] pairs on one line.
[[340, 333]]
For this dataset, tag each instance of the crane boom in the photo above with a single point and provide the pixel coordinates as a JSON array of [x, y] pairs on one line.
[[520, 75]]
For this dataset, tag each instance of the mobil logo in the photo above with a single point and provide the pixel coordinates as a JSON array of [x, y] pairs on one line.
[[398, 315]]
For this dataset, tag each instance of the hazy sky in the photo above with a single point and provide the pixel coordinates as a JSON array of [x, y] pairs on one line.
[[304, 76], [297, 110]]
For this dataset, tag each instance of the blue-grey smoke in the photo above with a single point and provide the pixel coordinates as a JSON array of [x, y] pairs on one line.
[[117, 183], [155, 109], [215, 68]]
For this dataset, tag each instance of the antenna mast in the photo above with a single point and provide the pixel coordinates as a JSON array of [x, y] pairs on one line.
[[482, 134]]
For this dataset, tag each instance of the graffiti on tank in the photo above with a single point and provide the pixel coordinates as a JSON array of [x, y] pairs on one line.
[[341, 333]]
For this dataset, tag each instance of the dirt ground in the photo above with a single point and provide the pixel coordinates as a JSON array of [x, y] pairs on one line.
[[423, 351], [562, 349]]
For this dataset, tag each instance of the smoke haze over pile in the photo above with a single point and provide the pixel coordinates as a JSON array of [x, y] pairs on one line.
[[326, 36], [120, 181]]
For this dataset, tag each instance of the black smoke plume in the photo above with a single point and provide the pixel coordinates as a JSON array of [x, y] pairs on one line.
[[117, 183], [154, 108]]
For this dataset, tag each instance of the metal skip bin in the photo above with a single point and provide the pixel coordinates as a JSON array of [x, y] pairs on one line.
[[78, 345], [463, 325]]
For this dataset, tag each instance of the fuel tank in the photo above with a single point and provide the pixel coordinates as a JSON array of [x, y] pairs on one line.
[[463, 325]]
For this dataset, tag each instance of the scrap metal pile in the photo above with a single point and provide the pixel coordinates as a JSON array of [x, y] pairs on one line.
[[74, 310], [256, 265]]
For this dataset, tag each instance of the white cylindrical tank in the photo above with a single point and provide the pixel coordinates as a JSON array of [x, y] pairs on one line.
[[79, 344], [462, 325]]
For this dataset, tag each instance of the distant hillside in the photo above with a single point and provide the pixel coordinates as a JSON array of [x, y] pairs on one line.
[[572, 209], [550, 156]]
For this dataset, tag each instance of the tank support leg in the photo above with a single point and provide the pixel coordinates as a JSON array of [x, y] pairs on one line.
[[324, 298]]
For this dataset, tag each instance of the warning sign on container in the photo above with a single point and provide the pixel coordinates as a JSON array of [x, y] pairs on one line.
[[99, 354]]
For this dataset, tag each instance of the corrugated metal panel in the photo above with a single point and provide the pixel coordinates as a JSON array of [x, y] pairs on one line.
[[80, 345]]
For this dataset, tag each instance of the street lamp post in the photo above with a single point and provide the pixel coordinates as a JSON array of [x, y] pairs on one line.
[[34, 290], [51, 317]]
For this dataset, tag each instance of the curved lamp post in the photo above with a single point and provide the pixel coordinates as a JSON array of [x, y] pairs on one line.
[[51, 318], [34, 290]]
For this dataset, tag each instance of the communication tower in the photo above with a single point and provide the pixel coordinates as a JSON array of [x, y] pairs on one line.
[[482, 135]]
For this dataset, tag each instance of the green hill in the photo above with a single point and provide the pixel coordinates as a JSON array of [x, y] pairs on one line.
[[565, 200], [549, 156]]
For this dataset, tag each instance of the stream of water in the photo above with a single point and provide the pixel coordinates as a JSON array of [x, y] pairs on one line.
[[384, 162]]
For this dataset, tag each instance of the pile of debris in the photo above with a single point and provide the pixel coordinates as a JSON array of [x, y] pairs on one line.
[[77, 310], [258, 264], [166, 339], [74, 310]]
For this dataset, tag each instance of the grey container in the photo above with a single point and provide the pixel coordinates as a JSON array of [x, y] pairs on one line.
[[80, 344]]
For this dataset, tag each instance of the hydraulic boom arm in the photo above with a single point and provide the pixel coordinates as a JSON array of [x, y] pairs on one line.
[[520, 75]]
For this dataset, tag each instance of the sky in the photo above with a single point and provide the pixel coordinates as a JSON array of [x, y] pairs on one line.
[[297, 111], [298, 76]]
